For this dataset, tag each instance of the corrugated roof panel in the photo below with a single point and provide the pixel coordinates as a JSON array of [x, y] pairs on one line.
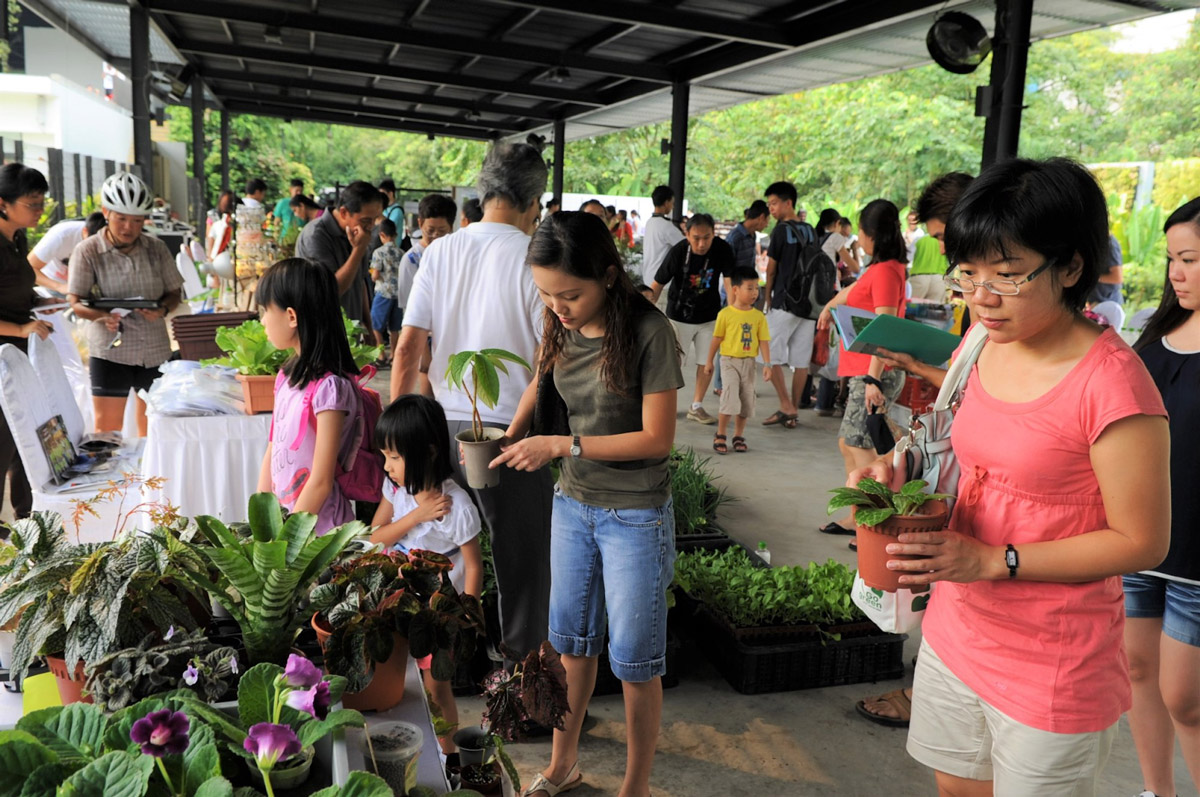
[[107, 24]]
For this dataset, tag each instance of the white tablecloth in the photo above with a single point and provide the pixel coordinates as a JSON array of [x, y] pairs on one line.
[[211, 463]]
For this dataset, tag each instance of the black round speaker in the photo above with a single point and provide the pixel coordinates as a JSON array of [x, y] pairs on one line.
[[958, 42]]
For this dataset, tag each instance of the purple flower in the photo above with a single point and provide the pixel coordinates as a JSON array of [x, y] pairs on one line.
[[233, 665], [315, 701], [270, 743], [161, 732], [191, 674], [170, 633], [301, 673]]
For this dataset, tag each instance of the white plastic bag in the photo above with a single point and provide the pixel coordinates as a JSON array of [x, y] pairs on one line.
[[894, 612]]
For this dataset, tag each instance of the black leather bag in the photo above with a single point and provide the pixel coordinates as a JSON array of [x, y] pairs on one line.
[[549, 410]]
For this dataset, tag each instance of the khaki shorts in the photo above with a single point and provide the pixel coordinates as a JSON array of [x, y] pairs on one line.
[[694, 339], [954, 731], [737, 392], [931, 287]]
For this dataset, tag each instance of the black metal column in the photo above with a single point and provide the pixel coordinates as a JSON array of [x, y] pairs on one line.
[[198, 153], [679, 129], [1010, 56], [54, 164], [139, 49], [560, 149], [224, 150], [78, 186]]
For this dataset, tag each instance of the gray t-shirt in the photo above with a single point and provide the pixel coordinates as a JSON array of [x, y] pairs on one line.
[[593, 410], [325, 242]]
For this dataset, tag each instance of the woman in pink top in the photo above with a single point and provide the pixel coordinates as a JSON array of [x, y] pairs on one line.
[[1063, 444]]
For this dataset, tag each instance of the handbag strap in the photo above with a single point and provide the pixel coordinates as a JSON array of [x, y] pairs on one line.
[[960, 370]]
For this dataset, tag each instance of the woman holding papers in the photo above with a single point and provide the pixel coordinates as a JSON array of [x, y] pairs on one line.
[[880, 290]]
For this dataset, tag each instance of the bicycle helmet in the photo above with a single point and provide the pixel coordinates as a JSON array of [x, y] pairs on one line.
[[126, 193]]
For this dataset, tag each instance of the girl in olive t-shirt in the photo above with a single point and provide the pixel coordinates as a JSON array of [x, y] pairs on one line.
[[614, 359]]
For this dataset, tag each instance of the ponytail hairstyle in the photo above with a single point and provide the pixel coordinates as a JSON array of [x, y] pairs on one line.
[[829, 218], [1170, 314], [311, 290], [580, 244], [880, 219]]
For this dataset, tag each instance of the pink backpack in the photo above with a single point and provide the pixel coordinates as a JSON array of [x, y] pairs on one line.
[[360, 476]]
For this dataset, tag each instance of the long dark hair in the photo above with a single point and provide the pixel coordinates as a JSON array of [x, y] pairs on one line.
[[580, 244], [414, 426], [311, 290], [1170, 314], [880, 219]]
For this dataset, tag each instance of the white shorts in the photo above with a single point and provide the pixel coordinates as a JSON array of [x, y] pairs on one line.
[[953, 731], [791, 338], [931, 287], [694, 339]]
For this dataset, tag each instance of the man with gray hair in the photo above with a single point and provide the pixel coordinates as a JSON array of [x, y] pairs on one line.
[[474, 291]]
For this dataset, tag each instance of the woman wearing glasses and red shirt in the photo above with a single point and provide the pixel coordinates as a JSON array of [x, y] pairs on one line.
[[1063, 444]]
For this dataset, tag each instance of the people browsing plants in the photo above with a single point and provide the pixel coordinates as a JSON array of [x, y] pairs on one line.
[[740, 334], [614, 359], [1162, 625], [1062, 441], [316, 387]]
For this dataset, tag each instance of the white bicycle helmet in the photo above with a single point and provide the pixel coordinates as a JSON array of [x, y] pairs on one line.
[[126, 193]]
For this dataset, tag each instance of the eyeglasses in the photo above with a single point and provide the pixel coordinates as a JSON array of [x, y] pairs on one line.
[[998, 287], [40, 207]]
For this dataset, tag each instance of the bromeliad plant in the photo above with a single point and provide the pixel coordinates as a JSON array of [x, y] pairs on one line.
[[262, 580], [875, 502], [484, 380], [157, 664], [377, 595]]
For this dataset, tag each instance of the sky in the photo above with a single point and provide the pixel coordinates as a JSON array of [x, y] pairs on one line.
[[1154, 34]]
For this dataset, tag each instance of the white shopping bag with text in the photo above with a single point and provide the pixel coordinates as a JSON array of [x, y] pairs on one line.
[[894, 612]]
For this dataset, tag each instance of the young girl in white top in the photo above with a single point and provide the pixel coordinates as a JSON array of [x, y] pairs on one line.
[[424, 508]]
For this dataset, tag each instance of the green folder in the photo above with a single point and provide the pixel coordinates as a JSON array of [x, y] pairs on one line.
[[926, 343]]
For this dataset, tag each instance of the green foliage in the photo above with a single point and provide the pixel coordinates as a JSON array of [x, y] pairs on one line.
[[750, 596], [694, 498], [360, 784], [155, 665], [484, 385], [876, 502], [1176, 182], [263, 580], [1144, 252], [362, 353], [247, 349]]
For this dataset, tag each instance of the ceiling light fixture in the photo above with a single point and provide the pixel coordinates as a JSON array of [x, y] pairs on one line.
[[559, 74]]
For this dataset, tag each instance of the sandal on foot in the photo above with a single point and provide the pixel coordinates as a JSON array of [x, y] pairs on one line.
[[853, 545], [540, 783], [719, 444], [739, 445], [777, 417], [790, 421], [897, 698], [836, 528]]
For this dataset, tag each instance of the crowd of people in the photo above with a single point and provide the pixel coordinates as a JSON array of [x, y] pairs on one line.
[[1067, 587]]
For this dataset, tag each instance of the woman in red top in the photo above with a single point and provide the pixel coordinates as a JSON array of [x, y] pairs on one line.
[[881, 289]]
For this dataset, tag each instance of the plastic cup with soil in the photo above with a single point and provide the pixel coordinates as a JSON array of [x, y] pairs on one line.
[[396, 746]]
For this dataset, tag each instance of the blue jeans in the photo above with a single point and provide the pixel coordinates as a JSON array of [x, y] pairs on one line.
[[619, 560], [1176, 602]]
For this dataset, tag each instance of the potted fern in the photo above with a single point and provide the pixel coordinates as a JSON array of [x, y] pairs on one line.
[[882, 514], [480, 444]]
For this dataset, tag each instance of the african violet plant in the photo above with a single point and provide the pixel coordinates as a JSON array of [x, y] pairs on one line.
[[875, 502], [374, 596], [159, 664]]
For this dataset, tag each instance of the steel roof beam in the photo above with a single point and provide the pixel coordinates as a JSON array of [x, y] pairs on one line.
[[66, 26], [410, 37], [357, 120], [350, 106]]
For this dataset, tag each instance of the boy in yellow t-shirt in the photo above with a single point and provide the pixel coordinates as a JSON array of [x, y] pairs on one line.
[[740, 331]]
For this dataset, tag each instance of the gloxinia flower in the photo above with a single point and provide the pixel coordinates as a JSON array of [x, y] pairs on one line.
[[301, 673], [191, 674], [170, 633], [315, 701], [270, 743], [161, 732], [233, 665]]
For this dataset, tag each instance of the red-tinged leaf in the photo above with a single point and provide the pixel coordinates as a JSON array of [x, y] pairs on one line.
[[544, 687]]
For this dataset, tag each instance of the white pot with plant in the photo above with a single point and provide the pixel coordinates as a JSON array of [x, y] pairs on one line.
[[480, 444]]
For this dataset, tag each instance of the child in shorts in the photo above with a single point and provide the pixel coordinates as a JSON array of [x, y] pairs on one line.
[[740, 331]]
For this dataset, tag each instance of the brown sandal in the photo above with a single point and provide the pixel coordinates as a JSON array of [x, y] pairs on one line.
[[719, 444], [898, 699], [739, 445]]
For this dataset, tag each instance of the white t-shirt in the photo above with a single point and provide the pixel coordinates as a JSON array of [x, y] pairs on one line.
[[251, 202], [834, 244], [407, 273], [659, 236], [56, 247], [457, 528], [473, 291]]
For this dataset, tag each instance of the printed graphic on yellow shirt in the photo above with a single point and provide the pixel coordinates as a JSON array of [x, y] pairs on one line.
[[747, 338]]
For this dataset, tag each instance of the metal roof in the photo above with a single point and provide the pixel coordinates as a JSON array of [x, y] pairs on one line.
[[495, 68]]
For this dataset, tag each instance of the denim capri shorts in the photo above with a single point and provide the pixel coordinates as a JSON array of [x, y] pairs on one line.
[[1176, 602], [614, 562]]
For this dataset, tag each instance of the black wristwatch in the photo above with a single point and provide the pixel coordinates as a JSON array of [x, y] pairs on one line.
[[870, 380], [576, 450], [1011, 560]]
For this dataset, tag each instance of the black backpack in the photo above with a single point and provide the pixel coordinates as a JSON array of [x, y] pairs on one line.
[[813, 281]]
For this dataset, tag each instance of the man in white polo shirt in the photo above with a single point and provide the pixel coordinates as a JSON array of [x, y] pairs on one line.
[[474, 291]]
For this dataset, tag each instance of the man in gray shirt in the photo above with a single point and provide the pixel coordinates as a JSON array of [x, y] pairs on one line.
[[338, 240]]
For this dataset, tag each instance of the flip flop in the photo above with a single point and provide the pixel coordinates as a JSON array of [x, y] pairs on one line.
[[899, 701], [836, 528], [540, 783], [777, 417]]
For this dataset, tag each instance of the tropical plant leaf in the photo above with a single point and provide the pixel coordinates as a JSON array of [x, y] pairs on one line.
[[20, 755], [544, 687], [201, 762], [217, 719], [873, 516], [269, 556], [214, 787], [265, 516], [487, 381], [359, 784], [43, 782], [501, 354], [913, 487], [74, 733], [240, 574], [457, 367], [299, 530], [116, 774], [873, 487], [311, 731], [219, 534], [848, 496], [256, 693]]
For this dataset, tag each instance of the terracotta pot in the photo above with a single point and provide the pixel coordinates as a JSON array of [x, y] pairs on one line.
[[477, 455], [70, 688], [258, 393], [872, 541], [386, 689]]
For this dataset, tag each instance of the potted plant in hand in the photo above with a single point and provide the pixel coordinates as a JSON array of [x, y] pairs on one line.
[[480, 444], [881, 515]]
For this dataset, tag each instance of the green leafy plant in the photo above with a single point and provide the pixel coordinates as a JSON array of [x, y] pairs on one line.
[[363, 353], [181, 661], [247, 349], [694, 498], [375, 596], [877, 502], [484, 386], [263, 580]]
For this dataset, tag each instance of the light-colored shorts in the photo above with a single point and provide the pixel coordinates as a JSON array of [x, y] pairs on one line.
[[791, 338], [737, 393], [931, 287], [694, 339], [953, 731]]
